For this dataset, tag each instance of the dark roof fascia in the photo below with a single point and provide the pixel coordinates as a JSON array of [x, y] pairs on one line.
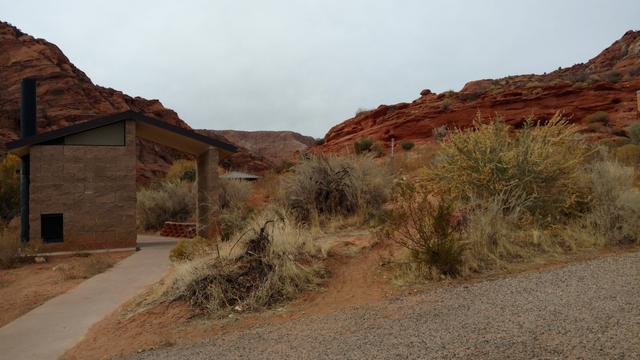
[[186, 133], [111, 119]]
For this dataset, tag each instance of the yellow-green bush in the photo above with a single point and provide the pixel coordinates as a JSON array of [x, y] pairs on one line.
[[628, 154], [190, 249], [633, 131], [9, 187], [598, 117], [537, 168], [165, 201], [182, 170]]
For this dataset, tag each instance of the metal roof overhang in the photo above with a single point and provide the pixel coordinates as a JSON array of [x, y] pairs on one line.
[[147, 128]]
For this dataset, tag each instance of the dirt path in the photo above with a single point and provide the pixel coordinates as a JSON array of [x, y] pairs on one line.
[[587, 310]]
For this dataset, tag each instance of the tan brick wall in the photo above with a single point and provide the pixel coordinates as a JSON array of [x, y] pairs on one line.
[[93, 186]]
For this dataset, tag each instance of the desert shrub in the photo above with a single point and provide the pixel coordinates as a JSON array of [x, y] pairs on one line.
[[234, 192], [537, 168], [614, 216], [363, 145], [234, 212], [191, 249], [184, 170], [164, 201], [598, 117], [440, 132], [446, 104], [613, 76], [335, 186], [362, 110], [423, 225], [273, 264], [633, 131], [9, 187], [10, 247], [407, 145], [628, 154], [578, 77]]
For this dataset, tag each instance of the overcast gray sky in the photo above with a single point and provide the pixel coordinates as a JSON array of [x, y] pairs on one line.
[[308, 65]]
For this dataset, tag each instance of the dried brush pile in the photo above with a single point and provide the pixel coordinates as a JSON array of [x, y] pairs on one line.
[[271, 263]]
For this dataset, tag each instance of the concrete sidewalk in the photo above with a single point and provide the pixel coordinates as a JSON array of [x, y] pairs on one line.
[[49, 330]]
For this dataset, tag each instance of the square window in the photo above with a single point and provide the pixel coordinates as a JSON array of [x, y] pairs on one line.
[[51, 228]]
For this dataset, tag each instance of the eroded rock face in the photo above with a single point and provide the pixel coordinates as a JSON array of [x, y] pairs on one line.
[[67, 96], [608, 83]]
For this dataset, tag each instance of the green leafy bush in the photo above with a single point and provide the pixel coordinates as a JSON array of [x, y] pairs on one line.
[[363, 145], [633, 131], [446, 104], [598, 117], [407, 145]]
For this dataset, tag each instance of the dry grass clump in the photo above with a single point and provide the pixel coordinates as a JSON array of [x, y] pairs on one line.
[[537, 168], [94, 265], [614, 216], [172, 200], [272, 263], [327, 186], [10, 247], [234, 212]]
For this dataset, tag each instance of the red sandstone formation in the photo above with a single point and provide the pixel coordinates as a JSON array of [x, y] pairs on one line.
[[67, 96], [608, 83]]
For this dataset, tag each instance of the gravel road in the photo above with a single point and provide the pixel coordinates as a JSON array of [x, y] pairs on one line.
[[583, 311]]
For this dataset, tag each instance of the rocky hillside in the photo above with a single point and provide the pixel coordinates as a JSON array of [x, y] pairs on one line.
[[276, 146], [67, 96], [607, 83]]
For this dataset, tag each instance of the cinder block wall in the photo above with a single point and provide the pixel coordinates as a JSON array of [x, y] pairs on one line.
[[94, 187]]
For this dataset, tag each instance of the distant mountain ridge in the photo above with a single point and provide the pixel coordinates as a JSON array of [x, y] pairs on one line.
[[277, 146]]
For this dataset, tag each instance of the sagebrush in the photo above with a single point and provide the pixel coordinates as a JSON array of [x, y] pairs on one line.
[[537, 168], [328, 186]]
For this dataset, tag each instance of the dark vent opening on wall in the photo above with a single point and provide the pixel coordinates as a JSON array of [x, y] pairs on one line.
[[51, 228]]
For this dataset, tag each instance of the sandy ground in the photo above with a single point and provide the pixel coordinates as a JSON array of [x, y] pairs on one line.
[[356, 279], [588, 310], [29, 285]]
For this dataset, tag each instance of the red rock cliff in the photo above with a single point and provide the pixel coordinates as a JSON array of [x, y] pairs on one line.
[[67, 96], [608, 83]]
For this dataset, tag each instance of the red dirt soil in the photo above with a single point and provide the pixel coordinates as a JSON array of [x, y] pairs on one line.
[[27, 286], [354, 280], [608, 83]]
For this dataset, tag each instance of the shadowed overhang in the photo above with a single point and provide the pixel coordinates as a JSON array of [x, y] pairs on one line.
[[147, 128]]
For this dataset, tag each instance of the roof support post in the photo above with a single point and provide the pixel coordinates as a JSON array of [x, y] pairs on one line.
[[208, 185]]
